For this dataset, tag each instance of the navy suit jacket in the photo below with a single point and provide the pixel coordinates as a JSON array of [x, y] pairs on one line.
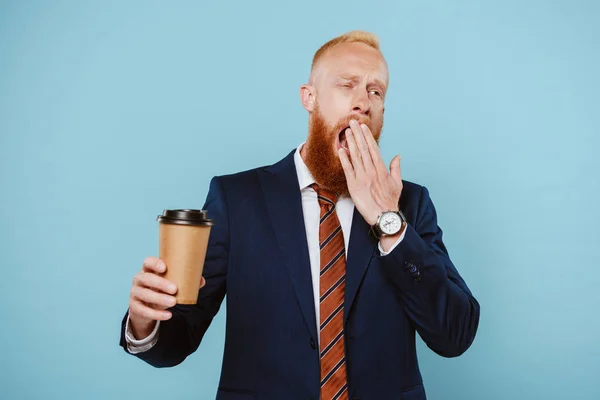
[[258, 256]]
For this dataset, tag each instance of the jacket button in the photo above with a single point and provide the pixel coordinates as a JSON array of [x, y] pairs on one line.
[[312, 343]]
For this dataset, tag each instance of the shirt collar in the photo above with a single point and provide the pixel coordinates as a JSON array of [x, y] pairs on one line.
[[305, 179]]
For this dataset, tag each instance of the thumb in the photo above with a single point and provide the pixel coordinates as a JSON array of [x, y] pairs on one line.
[[395, 170]]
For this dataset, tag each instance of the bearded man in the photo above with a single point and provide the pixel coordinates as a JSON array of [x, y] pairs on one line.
[[331, 262]]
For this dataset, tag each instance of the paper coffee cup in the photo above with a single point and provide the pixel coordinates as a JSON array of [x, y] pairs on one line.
[[183, 240]]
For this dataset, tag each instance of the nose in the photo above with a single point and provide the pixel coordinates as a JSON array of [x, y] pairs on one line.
[[361, 102]]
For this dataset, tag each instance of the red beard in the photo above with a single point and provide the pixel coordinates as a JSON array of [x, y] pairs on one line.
[[321, 155]]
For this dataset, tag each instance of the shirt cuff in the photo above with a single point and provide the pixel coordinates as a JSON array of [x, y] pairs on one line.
[[385, 253], [138, 346]]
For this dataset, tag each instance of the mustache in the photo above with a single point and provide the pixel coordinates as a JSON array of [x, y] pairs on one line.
[[345, 122]]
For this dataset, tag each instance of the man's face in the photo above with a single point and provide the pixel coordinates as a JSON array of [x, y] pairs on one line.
[[350, 82]]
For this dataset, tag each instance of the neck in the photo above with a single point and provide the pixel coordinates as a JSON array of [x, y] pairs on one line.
[[303, 152]]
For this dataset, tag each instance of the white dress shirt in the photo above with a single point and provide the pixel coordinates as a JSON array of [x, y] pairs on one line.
[[311, 211]]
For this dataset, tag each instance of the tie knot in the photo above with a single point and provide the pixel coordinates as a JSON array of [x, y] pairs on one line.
[[325, 196]]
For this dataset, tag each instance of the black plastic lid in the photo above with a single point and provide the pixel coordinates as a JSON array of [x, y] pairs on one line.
[[185, 217]]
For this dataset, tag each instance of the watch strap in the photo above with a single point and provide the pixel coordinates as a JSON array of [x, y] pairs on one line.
[[375, 231]]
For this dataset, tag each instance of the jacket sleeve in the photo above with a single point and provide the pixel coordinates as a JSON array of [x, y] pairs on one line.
[[435, 297], [181, 335]]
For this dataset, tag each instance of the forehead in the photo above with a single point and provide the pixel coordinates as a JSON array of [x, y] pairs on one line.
[[354, 59]]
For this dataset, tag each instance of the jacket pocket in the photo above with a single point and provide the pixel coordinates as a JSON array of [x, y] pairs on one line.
[[414, 393], [226, 394]]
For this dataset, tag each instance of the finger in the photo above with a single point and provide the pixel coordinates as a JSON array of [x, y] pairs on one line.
[[153, 281], [346, 164], [374, 151], [362, 145], [202, 282], [395, 170], [153, 264], [153, 299], [139, 309], [355, 159]]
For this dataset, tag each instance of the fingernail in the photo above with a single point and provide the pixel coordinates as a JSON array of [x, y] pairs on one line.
[[353, 122], [161, 266], [172, 288]]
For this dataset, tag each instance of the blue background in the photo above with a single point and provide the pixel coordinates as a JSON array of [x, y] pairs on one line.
[[111, 111]]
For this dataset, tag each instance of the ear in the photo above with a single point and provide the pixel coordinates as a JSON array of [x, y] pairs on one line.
[[307, 97]]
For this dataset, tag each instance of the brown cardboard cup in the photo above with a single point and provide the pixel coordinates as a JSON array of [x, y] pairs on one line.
[[183, 240]]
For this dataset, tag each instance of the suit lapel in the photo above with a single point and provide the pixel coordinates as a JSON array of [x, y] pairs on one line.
[[284, 202], [361, 248]]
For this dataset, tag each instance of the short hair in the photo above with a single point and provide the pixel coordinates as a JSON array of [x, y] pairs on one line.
[[367, 38]]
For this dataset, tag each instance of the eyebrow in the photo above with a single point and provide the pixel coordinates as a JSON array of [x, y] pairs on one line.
[[355, 78]]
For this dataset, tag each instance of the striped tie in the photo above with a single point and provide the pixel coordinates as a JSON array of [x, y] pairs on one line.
[[332, 284]]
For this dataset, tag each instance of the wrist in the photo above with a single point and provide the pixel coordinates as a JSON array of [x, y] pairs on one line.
[[388, 223], [388, 241], [374, 216], [141, 328]]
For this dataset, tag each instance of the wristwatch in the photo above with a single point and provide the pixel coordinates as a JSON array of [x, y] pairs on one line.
[[388, 223]]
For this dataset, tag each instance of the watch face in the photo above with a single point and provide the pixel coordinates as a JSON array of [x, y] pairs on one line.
[[390, 223]]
